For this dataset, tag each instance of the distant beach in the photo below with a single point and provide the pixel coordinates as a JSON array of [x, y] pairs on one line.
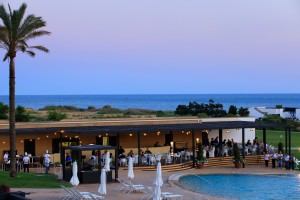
[[155, 101]]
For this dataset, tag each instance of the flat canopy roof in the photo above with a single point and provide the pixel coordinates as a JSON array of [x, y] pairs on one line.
[[157, 127], [89, 147]]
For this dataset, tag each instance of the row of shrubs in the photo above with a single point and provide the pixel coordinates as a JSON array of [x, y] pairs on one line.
[[23, 115]]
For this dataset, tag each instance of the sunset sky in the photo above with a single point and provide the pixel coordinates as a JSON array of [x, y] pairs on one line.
[[161, 47]]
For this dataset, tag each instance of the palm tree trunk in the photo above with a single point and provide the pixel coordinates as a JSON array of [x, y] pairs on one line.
[[12, 118]]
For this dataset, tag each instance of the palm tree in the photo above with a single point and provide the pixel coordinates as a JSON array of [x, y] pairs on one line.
[[15, 32]]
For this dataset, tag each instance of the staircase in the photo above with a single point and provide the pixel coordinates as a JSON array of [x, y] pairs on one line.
[[166, 168], [227, 161]]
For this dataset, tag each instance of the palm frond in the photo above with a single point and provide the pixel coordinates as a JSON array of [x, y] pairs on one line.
[[30, 53], [31, 24], [5, 17], [5, 57], [41, 48], [16, 19], [36, 34]]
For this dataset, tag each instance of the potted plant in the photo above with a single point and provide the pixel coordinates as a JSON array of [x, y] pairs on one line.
[[200, 158], [237, 160]]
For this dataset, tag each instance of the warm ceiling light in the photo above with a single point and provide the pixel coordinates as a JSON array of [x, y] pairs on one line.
[[145, 134], [251, 129], [21, 140], [99, 135], [38, 138], [130, 134], [55, 133], [182, 131], [66, 136], [3, 142], [47, 136], [158, 132], [106, 134], [70, 138], [62, 131], [227, 131], [206, 131]]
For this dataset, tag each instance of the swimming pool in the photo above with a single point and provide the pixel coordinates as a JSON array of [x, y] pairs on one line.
[[241, 186]]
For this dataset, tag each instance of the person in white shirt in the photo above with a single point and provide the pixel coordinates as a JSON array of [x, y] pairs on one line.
[[5, 157], [26, 161], [287, 161], [274, 158], [266, 158], [47, 161]]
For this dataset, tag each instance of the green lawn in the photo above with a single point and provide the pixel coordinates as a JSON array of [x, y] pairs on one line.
[[274, 137], [31, 180]]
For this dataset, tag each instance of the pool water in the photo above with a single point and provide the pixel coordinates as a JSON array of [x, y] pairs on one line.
[[239, 186]]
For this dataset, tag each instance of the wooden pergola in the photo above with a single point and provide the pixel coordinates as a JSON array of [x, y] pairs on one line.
[[91, 176]]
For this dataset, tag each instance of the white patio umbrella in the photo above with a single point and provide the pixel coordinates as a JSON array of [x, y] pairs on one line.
[[130, 168], [158, 182], [102, 187], [107, 162], [74, 180]]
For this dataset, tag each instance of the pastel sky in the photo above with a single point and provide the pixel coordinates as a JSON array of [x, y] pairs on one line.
[[161, 47]]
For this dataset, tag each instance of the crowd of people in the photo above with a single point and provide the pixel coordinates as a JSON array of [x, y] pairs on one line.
[[280, 160], [25, 160]]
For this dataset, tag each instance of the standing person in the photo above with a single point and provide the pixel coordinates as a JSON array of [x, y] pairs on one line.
[[5, 157], [121, 150], [68, 159], [47, 161], [274, 158], [287, 161], [279, 159], [292, 162], [266, 158], [26, 160]]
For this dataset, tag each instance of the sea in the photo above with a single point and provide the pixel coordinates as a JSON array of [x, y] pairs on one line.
[[155, 101]]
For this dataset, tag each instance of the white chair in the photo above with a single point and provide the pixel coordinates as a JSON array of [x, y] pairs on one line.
[[152, 160], [169, 159], [136, 160], [225, 151], [123, 162], [204, 153], [212, 152]]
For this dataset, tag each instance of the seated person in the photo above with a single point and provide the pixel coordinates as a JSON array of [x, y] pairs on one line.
[[122, 156], [142, 153], [121, 150], [130, 154], [148, 151], [157, 144], [248, 143]]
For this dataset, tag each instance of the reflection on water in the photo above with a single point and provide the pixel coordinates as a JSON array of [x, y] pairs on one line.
[[238, 186]]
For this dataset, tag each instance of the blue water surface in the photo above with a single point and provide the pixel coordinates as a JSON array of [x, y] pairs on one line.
[[155, 101], [238, 186]]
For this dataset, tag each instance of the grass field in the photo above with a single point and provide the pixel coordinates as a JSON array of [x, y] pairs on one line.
[[274, 137], [31, 180]]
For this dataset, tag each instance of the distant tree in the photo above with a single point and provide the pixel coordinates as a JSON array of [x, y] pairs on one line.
[[3, 111], [91, 108], [16, 31], [160, 113], [22, 115], [182, 110], [232, 110], [243, 112], [55, 115]]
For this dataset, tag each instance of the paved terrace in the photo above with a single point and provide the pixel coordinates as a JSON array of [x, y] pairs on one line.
[[147, 177]]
